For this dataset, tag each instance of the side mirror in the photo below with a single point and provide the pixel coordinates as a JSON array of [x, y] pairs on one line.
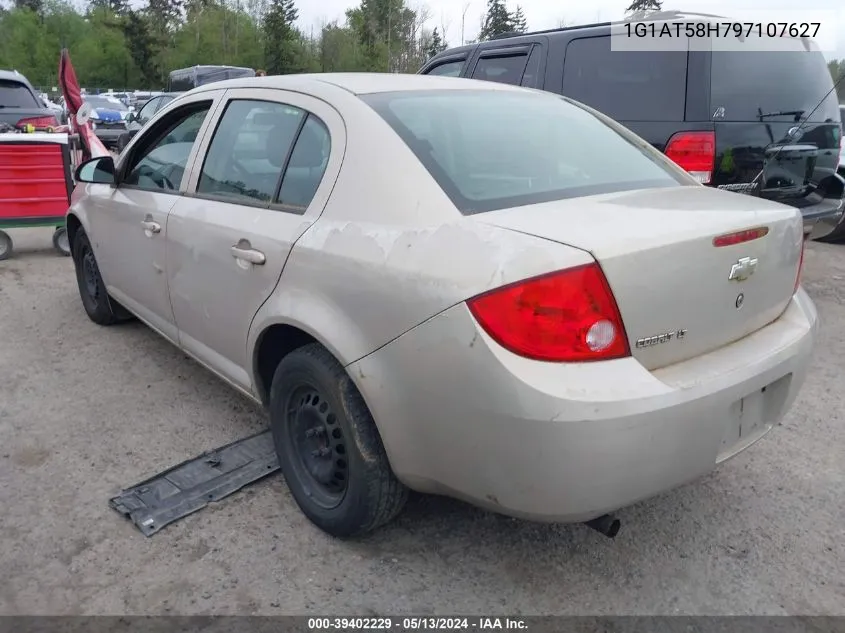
[[96, 171]]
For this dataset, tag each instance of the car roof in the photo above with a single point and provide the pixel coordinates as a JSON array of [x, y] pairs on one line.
[[358, 83], [13, 75]]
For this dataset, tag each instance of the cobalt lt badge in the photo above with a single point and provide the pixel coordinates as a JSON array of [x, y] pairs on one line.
[[740, 299]]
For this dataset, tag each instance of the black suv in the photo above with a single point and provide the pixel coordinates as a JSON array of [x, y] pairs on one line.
[[757, 122]]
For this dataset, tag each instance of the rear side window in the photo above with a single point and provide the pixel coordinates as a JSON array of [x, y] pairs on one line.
[[627, 86], [749, 83], [491, 149], [14, 94], [532, 69], [448, 69], [248, 151], [505, 69]]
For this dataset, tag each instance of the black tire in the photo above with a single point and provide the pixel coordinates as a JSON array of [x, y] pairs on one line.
[[6, 246], [99, 306], [349, 489], [61, 241]]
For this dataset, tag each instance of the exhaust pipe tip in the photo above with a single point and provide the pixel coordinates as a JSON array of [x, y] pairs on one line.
[[607, 525]]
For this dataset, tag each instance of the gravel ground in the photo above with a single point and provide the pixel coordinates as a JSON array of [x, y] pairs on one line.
[[86, 410]]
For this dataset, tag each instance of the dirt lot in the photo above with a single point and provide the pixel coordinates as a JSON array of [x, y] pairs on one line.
[[86, 410]]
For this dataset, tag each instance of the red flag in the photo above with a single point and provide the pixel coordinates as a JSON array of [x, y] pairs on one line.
[[91, 145]]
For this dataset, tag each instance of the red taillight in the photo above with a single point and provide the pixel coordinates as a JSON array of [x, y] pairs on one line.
[[800, 268], [694, 152], [39, 122], [740, 237], [566, 316]]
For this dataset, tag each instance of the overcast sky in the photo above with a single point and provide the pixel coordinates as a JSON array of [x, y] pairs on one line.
[[547, 14]]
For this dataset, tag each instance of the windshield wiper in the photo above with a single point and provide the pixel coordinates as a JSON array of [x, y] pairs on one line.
[[793, 113]]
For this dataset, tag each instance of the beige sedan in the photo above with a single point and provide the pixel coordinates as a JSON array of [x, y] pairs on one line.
[[457, 287]]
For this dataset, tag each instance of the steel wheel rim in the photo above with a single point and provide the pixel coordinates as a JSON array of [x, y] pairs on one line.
[[317, 447], [89, 274]]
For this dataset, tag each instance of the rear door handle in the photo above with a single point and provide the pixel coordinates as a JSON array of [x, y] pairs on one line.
[[152, 227], [248, 254]]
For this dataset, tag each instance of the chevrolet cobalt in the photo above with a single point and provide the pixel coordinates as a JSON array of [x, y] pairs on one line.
[[451, 286]]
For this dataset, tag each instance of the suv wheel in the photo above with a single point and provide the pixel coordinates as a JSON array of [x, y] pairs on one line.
[[329, 449]]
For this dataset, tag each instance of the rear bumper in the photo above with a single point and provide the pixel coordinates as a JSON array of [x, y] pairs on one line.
[[822, 219], [461, 416]]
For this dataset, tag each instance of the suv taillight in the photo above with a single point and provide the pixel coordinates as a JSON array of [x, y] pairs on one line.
[[39, 123], [694, 152], [565, 316]]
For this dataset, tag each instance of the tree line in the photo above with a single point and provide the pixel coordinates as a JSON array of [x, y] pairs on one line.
[[117, 45]]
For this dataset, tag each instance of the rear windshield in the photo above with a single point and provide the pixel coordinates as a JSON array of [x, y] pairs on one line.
[[748, 83], [14, 94], [491, 149]]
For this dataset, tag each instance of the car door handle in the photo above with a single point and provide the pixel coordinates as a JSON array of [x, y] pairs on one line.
[[248, 254], [152, 227]]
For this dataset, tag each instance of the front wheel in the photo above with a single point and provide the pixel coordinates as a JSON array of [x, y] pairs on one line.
[[99, 307], [329, 448]]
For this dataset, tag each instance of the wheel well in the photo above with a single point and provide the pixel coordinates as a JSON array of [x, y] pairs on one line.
[[274, 344], [73, 226]]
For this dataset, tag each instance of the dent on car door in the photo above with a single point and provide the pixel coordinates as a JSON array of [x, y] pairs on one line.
[[230, 236], [131, 229]]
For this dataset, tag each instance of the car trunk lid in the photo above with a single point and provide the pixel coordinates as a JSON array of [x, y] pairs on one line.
[[679, 294]]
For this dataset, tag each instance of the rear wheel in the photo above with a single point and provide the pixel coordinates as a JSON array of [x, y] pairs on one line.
[[100, 308], [6, 246], [329, 449]]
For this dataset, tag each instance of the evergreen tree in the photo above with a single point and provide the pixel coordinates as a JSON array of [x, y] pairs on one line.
[[644, 5], [435, 45], [281, 39], [497, 20], [518, 21]]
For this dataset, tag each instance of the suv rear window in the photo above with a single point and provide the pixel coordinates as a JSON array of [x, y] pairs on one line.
[[748, 83], [624, 85], [498, 149], [14, 94]]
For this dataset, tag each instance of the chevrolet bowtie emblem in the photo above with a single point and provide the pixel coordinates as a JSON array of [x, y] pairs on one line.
[[743, 269]]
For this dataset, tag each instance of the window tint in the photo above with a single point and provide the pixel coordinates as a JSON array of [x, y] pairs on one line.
[[505, 70], [532, 69], [492, 150], [248, 151], [746, 82], [161, 164], [448, 69], [627, 86], [14, 94], [307, 165]]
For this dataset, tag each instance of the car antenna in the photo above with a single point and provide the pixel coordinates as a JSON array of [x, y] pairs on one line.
[[803, 122]]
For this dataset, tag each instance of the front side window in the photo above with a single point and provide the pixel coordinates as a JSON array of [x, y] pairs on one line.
[[491, 149], [164, 150], [248, 151], [448, 69], [146, 113]]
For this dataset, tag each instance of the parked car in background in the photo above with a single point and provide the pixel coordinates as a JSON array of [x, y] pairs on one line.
[[749, 121], [186, 79], [138, 119], [455, 286], [20, 103], [108, 118]]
